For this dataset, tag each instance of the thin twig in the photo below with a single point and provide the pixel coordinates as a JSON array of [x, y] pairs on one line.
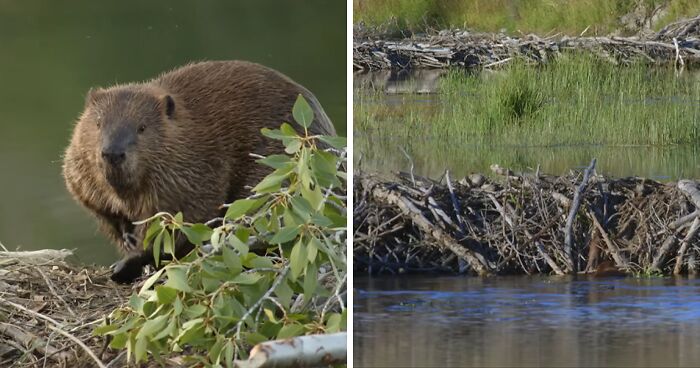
[[81, 344]]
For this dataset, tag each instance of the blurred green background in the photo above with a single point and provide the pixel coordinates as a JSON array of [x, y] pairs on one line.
[[54, 51]]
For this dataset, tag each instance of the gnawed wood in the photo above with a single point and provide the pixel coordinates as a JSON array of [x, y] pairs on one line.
[[303, 351], [517, 225]]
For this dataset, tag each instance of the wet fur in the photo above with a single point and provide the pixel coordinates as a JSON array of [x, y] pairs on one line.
[[195, 156]]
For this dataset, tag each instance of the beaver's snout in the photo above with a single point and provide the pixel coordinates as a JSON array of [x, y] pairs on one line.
[[114, 158]]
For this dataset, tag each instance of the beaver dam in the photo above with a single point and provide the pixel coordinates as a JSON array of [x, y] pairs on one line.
[[525, 224], [49, 307], [678, 44]]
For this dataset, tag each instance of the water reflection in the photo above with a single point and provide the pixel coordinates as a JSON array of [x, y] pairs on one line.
[[526, 321], [53, 52]]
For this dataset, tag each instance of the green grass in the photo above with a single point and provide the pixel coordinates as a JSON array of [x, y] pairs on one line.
[[537, 16], [574, 100]]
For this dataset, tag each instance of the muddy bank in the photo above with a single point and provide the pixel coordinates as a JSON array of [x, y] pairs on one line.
[[677, 44], [530, 223]]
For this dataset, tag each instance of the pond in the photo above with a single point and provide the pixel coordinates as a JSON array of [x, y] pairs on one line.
[[525, 321], [53, 52], [643, 124]]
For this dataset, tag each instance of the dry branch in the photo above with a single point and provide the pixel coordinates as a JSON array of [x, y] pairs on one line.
[[50, 305], [514, 224], [676, 44]]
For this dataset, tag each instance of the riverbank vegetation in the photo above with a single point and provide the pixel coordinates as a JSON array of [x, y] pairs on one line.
[[573, 100], [596, 17]]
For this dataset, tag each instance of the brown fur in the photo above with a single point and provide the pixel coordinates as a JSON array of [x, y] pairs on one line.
[[191, 158]]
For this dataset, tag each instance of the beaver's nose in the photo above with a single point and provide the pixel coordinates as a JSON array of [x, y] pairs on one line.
[[114, 158]]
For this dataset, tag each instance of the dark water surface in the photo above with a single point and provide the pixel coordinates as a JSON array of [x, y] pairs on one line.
[[53, 52], [525, 321]]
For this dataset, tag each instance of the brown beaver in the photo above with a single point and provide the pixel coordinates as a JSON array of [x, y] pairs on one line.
[[177, 143]]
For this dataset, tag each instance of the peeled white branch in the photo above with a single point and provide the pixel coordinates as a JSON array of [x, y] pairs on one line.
[[302, 351]]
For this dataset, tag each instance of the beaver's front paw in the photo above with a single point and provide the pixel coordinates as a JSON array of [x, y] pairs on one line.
[[127, 270]]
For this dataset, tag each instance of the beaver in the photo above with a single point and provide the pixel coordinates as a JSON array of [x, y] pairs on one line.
[[178, 143]]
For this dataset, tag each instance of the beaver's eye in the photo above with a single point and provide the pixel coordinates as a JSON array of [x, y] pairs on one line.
[[142, 128]]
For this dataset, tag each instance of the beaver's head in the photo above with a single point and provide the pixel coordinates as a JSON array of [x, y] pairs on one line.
[[129, 125]]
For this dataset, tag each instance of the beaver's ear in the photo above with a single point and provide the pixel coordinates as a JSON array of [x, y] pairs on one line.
[[167, 103], [93, 95]]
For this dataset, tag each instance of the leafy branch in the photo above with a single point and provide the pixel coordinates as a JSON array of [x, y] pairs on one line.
[[273, 268]]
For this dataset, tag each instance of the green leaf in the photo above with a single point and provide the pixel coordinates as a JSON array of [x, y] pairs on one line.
[[194, 310], [292, 146], [333, 324], [298, 259], [168, 245], [151, 280], [156, 247], [151, 232], [177, 307], [310, 281], [275, 161], [238, 245], [243, 234], [215, 350], [270, 315], [290, 330], [273, 133], [228, 353], [247, 278], [334, 141], [119, 341], [302, 112], [240, 208], [288, 131], [285, 234], [303, 168], [178, 218], [324, 167], [104, 329], [177, 278], [165, 294], [136, 303], [321, 221], [232, 261], [273, 181], [191, 330], [197, 233], [140, 349], [152, 326], [302, 207], [216, 237], [260, 262], [313, 196], [312, 249], [169, 330], [254, 338], [291, 218], [284, 294]]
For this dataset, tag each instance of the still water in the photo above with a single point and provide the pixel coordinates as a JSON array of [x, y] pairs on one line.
[[53, 52], [377, 149], [525, 321]]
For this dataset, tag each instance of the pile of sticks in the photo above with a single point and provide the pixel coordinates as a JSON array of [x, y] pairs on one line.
[[677, 44], [525, 224], [49, 307]]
